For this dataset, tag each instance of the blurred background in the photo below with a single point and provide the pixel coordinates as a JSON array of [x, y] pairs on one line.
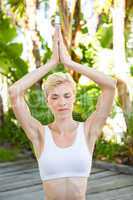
[[98, 34]]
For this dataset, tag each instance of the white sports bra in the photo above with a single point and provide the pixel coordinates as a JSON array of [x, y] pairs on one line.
[[74, 161]]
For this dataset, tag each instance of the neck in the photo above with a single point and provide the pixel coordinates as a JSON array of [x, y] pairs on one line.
[[64, 123]]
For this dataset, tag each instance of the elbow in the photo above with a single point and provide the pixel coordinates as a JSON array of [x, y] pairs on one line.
[[13, 92], [111, 85], [110, 88], [114, 84]]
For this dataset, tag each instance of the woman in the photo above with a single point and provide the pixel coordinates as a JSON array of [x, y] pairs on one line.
[[63, 148]]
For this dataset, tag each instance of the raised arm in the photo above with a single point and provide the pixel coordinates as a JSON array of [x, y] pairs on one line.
[[31, 125], [97, 119]]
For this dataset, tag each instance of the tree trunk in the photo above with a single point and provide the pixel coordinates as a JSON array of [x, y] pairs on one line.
[[70, 26], [119, 58], [129, 30], [32, 35], [1, 112], [65, 21], [77, 27]]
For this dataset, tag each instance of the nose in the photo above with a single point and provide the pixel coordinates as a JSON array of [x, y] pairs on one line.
[[62, 102]]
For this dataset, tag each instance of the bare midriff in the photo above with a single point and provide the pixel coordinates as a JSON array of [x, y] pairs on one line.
[[70, 188]]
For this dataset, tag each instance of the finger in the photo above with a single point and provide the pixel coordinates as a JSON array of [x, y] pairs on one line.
[[57, 35], [61, 38], [60, 33], [55, 39], [57, 27]]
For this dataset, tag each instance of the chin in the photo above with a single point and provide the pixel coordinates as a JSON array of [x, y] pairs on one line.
[[66, 112]]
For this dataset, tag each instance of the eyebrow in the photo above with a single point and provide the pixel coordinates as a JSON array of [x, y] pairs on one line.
[[58, 95]]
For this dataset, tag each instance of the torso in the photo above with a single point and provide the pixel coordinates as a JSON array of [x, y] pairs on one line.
[[60, 189]]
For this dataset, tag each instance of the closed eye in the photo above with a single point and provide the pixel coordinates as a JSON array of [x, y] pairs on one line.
[[66, 96]]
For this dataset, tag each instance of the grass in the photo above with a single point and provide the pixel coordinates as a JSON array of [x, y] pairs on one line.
[[8, 154]]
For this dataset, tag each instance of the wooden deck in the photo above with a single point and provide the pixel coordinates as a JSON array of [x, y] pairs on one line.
[[21, 181]]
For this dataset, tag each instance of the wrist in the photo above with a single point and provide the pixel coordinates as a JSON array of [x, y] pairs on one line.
[[67, 61], [53, 62]]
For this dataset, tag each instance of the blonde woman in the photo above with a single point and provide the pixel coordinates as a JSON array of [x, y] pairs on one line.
[[65, 147]]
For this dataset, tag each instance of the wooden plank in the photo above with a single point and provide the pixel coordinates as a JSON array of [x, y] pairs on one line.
[[113, 166], [17, 168], [12, 163], [95, 170], [38, 195], [102, 175], [8, 181], [109, 183], [19, 164], [21, 180], [21, 191], [28, 196], [11, 174], [34, 170], [5, 183], [20, 184], [125, 193]]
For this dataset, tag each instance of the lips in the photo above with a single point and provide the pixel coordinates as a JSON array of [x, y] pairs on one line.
[[62, 109]]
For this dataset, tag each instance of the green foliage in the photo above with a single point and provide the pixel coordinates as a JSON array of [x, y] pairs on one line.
[[47, 50], [11, 65], [105, 19], [88, 53], [106, 150], [102, 6], [84, 29], [10, 131], [7, 30], [129, 122], [105, 35], [37, 104], [86, 99], [8, 154], [131, 70], [17, 6]]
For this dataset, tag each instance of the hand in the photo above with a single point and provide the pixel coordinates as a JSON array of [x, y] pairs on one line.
[[63, 53], [55, 56]]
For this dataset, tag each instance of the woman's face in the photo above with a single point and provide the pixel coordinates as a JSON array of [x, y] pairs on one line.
[[60, 99]]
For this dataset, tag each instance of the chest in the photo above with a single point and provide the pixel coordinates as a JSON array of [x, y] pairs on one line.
[[61, 141], [64, 140]]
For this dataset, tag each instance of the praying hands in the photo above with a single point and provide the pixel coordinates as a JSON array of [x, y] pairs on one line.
[[60, 53]]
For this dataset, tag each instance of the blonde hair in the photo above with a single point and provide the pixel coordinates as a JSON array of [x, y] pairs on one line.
[[56, 79]]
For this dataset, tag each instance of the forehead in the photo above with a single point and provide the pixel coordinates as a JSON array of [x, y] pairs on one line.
[[62, 88]]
